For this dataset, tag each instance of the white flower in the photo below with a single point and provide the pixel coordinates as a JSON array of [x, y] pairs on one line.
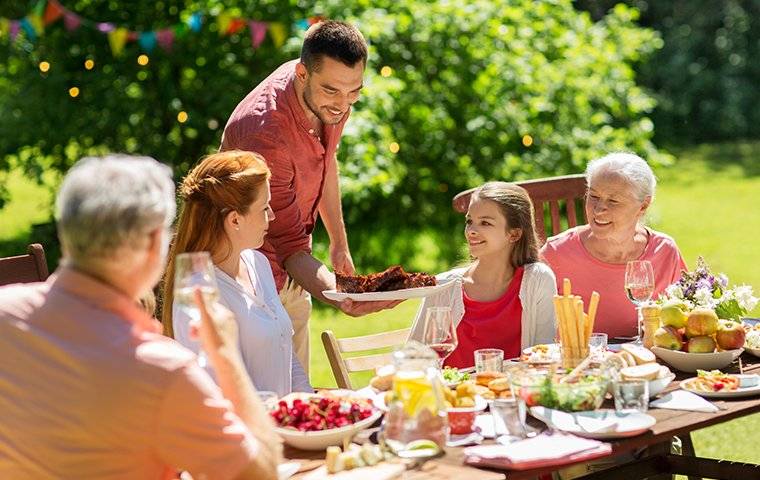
[[703, 297], [674, 291], [745, 298]]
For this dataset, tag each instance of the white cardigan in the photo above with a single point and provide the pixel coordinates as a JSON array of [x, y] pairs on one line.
[[536, 296]]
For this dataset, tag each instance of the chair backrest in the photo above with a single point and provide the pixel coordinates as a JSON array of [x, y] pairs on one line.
[[342, 366], [28, 268], [558, 202]]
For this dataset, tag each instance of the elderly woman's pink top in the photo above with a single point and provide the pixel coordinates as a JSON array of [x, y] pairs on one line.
[[616, 315]]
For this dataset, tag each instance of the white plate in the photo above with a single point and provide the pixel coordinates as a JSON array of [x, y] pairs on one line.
[[753, 351], [658, 385], [601, 424], [402, 294], [739, 392], [691, 362]]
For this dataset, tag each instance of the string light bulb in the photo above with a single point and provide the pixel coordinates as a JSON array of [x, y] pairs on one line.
[[386, 71], [394, 147], [527, 140], [182, 117], [143, 60], [74, 92], [44, 66], [89, 64]]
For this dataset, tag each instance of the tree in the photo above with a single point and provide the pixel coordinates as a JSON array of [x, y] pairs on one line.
[[457, 93]]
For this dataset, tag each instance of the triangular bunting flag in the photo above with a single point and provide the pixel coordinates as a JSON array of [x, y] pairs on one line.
[[302, 24], [223, 22], [4, 26], [39, 8], [132, 36], [147, 41], [53, 12], [236, 24], [37, 24], [13, 29], [258, 32], [72, 21], [195, 21], [317, 19], [278, 32], [165, 38], [106, 27], [117, 38], [26, 25]]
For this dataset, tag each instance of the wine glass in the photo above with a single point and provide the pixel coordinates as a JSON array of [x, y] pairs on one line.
[[440, 334], [639, 287], [194, 270]]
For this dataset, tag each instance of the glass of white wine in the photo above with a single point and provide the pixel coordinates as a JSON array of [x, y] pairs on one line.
[[194, 270], [639, 286], [440, 333]]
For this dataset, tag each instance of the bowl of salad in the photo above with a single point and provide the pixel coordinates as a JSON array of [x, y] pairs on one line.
[[553, 388], [452, 376]]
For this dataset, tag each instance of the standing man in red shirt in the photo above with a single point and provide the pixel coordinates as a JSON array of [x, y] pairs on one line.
[[294, 119]]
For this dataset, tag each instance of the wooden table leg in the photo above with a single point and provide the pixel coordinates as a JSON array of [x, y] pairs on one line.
[[687, 449], [651, 467]]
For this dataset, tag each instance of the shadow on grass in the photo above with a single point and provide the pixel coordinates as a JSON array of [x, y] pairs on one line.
[[719, 157]]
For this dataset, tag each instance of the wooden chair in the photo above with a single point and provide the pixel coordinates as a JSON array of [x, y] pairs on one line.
[[341, 366], [28, 268], [557, 201]]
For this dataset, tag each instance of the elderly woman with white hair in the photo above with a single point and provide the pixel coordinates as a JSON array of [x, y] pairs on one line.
[[621, 187]]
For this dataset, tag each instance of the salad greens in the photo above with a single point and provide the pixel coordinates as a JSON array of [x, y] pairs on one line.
[[453, 375]]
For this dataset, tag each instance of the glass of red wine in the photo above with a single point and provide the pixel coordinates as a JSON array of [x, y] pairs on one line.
[[440, 334], [639, 286]]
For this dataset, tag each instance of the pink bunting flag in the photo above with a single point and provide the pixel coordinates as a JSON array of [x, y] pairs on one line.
[[165, 38], [14, 29], [258, 32], [106, 27], [72, 21]]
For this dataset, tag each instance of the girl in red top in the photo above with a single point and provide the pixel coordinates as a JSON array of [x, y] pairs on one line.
[[506, 293]]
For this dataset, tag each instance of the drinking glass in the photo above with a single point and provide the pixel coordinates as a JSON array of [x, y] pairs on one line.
[[597, 345], [489, 360], [269, 399], [440, 334], [631, 395], [194, 270], [639, 287], [508, 417]]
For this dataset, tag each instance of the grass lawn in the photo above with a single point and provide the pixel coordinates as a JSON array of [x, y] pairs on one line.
[[709, 202]]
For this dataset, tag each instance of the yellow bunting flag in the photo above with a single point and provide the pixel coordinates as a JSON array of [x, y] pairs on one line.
[[4, 27], [223, 22], [278, 33], [37, 24], [117, 38]]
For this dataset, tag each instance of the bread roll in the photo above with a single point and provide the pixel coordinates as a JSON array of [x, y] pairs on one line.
[[640, 354], [647, 371], [499, 384]]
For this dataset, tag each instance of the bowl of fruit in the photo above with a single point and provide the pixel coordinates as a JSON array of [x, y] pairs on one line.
[[699, 341], [317, 421]]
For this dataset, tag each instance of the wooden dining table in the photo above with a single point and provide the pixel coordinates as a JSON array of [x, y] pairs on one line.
[[649, 453]]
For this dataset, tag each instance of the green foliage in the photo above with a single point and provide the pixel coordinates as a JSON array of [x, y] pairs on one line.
[[469, 81], [706, 75]]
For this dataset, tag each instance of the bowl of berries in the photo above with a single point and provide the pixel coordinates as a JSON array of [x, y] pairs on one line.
[[317, 421]]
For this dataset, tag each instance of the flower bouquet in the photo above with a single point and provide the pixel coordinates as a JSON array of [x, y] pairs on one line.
[[701, 289]]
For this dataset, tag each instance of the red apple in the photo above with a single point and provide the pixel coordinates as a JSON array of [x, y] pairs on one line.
[[730, 335], [701, 344], [701, 322]]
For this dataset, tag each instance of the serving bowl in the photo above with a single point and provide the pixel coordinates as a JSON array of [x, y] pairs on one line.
[[544, 387], [691, 362], [321, 439]]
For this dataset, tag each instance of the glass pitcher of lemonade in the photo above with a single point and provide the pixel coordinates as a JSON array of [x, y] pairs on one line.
[[416, 424]]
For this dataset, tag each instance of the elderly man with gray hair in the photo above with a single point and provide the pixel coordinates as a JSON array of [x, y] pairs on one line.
[[89, 388], [594, 256]]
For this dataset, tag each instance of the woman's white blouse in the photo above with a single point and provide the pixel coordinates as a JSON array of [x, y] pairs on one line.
[[265, 329]]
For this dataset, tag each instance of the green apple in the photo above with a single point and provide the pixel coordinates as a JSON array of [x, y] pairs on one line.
[[668, 337], [701, 322], [673, 314]]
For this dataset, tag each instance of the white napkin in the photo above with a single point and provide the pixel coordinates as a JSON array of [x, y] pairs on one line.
[[541, 450], [683, 400], [484, 421]]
